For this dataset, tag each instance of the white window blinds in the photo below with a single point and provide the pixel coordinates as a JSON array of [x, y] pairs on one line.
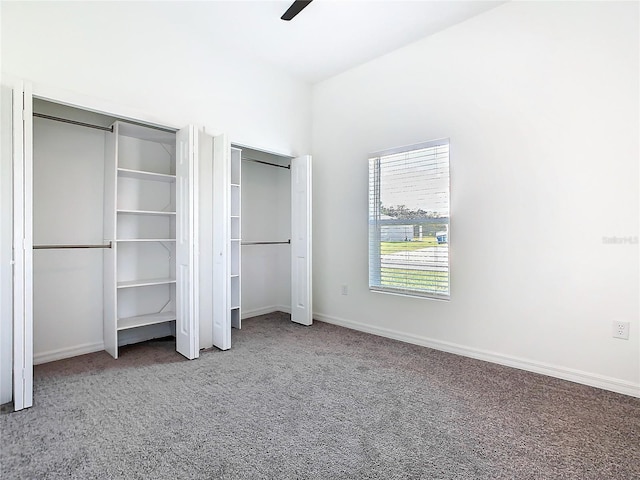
[[409, 220]]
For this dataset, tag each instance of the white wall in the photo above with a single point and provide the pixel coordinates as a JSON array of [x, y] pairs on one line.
[[141, 55], [540, 101]]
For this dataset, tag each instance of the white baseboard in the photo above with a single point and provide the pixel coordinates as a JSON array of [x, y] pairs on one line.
[[61, 353], [135, 335], [572, 375], [264, 310]]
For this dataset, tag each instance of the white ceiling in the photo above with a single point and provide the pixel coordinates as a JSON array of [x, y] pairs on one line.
[[326, 38]]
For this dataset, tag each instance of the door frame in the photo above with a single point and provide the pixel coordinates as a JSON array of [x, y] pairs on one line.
[[23, 94]]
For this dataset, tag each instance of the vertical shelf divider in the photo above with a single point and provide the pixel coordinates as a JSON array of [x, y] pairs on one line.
[[110, 305], [235, 234]]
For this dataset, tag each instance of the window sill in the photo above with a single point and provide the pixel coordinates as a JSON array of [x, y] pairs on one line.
[[424, 296]]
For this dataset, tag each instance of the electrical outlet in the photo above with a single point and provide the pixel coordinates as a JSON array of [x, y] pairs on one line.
[[621, 330], [344, 290]]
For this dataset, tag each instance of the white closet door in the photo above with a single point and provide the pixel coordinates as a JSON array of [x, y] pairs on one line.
[[22, 247], [187, 342], [221, 248], [301, 298]]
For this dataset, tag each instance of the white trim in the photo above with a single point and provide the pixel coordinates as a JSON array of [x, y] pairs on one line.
[[97, 105], [264, 310], [408, 294], [62, 353], [578, 376], [242, 146]]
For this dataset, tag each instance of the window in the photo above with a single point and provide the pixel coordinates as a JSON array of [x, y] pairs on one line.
[[409, 220]]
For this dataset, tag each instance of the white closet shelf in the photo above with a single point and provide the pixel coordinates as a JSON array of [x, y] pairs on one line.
[[143, 175], [146, 283], [145, 240], [145, 212], [143, 320]]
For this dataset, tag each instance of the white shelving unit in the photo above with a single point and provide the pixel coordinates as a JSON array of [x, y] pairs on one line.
[[235, 234], [140, 220]]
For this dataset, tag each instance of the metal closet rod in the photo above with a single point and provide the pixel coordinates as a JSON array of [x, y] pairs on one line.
[[52, 247], [267, 243], [73, 122], [246, 159], [99, 127]]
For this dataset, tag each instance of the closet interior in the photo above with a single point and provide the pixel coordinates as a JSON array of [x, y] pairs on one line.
[[143, 232], [266, 232], [104, 232]]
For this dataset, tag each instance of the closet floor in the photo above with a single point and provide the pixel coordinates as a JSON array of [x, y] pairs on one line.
[[152, 352]]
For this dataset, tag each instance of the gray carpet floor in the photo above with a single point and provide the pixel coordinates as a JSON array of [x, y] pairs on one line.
[[320, 402]]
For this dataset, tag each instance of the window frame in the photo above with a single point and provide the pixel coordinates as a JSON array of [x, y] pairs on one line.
[[375, 228]]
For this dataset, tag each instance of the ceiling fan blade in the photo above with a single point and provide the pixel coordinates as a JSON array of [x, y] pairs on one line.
[[295, 8]]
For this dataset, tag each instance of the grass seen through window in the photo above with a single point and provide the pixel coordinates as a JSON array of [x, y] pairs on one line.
[[397, 247], [412, 278]]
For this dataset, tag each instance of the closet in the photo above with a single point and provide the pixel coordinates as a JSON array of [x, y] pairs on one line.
[[124, 231], [254, 234], [113, 221]]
